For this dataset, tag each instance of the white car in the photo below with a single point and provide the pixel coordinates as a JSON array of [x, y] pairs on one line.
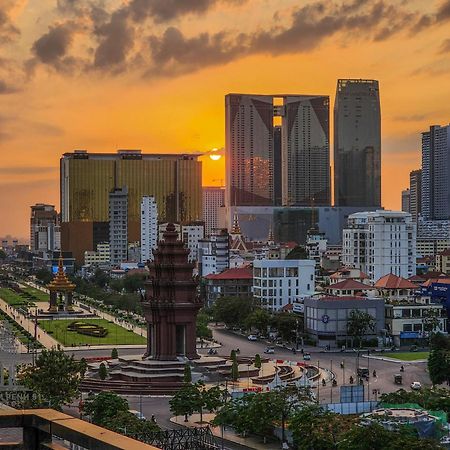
[[269, 350], [416, 385], [252, 337], [138, 414]]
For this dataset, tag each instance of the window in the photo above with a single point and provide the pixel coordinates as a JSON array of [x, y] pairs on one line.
[[407, 327]]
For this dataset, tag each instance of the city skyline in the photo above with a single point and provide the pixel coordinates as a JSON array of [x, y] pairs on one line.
[[67, 99]]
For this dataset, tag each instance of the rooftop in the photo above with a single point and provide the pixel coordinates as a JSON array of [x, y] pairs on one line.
[[391, 281], [239, 273], [348, 284]]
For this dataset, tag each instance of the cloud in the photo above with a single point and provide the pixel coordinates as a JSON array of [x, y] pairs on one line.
[[26, 170], [116, 40], [6, 88], [54, 45], [8, 31], [411, 118]]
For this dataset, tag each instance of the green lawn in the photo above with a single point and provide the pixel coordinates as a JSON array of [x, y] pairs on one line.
[[116, 334], [13, 298], [407, 356], [42, 296]]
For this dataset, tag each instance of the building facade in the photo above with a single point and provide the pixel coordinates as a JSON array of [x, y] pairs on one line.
[[214, 253], [45, 233], [436, 173], [415, 193], [379, 243], [118, 225], [406, 199], [99, 257], [357, 143], [213, 200], [149, 227], [326, 317], [277, 283], [87, 178], [286, 163]]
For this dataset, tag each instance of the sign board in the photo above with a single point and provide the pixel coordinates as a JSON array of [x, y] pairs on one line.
[[409, 335], [352, 393]]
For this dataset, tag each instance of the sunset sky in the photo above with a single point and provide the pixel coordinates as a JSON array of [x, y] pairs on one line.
[[152, 74]]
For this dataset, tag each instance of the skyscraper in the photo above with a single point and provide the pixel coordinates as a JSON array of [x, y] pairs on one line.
[[213, 200], [45, 232], [436, 173], [357, 144], [415, 193], [118, 225], [88, 178], [277, 149], [149, 227], [406, 200]]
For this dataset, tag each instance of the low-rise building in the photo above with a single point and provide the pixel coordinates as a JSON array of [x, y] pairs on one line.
[[349, 273], [326, 317], [443, 261], [347, 287], [236, 282], [393, 287], [277, 283]]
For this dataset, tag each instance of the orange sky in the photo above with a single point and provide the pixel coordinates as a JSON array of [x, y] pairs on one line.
[[75, 75]]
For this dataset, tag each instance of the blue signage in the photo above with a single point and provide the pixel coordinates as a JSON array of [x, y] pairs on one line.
[[409, 335], [325, 318]]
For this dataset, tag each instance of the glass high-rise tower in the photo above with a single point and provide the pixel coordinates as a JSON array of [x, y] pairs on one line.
[[357, 143], [277, 150]]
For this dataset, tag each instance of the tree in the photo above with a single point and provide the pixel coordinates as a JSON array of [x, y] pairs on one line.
[[430, 320], [233, 311], [114, 353], [286, 325], [135, 282], [258, 319], [100, 278], [104, 406], [234, 370], [102, 371], [2, 254], [55, 377], [187, 378], [44, 275], [130, 425], [203, 332], [359, 323], [257, 361]]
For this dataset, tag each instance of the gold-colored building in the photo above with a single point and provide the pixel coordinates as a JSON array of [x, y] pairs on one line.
[[87, 179]]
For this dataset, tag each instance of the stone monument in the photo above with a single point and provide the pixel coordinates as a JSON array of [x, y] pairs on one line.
[[171, 302], [61, 291]]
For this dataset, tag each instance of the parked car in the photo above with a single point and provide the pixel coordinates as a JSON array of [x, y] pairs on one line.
[[138, 414], [416, 385], [269, 350], [307, 357], [252, 337]]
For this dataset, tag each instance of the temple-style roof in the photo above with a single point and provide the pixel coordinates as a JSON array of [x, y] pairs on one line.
[[60, 282], [349, 284]]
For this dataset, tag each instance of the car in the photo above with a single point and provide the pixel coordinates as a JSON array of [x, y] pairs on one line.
[[416, 385], [252, 337], [306, 357], [269, 350], [138, 414]]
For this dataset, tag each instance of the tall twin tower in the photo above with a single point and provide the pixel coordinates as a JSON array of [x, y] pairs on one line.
[[278, 148]]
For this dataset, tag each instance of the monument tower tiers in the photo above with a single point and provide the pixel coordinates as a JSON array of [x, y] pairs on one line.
[[171, 301], [61, 291]]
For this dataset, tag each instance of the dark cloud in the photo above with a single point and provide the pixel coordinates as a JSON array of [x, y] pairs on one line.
[[54, 45], [6, 88], [411, 118], [116, 40]]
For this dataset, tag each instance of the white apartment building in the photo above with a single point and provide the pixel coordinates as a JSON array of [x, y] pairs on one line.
[[380, 242], [213, 200], [149, 227], [214, 254], [190, 234], [277, 283], [99, 257], [118, 225]]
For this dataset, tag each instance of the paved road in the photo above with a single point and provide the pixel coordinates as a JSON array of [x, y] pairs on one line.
[[385, 370]]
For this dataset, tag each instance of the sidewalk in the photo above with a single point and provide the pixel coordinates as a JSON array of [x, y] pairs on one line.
[[252, 442]]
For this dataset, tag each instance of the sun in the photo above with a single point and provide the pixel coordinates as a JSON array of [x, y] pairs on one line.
[[215, 156]]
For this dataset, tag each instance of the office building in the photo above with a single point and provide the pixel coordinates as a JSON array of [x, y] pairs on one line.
[[149, 227], [379, 243], [99, 257], [327, 318], [415, 194], [436, 173], [118, 225], [88, 178], [277, 283], [45, 233], [214, 253], [406, 196], [357, 144], [287, 163], [213, 200]]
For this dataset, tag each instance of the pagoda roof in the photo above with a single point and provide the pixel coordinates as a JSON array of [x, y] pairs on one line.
[[60, 282]]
